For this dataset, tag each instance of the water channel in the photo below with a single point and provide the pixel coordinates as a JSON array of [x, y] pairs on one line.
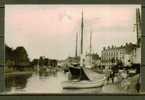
[[41, 84]]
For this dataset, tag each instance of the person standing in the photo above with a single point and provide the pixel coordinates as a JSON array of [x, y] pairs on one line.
[[137, 86]]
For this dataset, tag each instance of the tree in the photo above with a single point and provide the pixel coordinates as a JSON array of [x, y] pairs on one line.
[[41, 61], [9, 56], [8, 53], [46, 61], [21, 56], [53, 62], [34, 62]]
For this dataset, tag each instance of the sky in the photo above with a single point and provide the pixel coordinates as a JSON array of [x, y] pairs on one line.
[[50, 30]]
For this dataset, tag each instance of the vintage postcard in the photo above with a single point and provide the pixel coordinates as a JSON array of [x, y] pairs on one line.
[[72, 49]]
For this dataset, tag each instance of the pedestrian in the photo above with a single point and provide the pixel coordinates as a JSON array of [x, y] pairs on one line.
[[112, 74], [107, 74], [137, 86]]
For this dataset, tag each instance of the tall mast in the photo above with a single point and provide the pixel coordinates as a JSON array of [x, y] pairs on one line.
[[90, 48], [90, 42], [138, 26], [76, 54], [82, 26], [82, 29]]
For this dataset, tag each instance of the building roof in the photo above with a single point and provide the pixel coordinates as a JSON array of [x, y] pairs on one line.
[[126, 46]]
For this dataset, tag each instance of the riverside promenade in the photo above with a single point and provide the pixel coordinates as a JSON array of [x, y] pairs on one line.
[[126, 86], [120, 86]]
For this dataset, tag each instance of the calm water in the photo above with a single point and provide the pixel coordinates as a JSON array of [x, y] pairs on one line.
[[41, 84]]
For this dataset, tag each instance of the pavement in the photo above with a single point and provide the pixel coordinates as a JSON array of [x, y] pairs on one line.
[[125, 86]]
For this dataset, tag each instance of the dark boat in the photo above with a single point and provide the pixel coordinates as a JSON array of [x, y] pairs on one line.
[[80, 80], [78, 73]]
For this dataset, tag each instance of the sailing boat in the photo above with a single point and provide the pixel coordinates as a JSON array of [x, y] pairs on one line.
[[79, 79]]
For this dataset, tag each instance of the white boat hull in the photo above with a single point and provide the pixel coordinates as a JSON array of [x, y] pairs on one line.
[[82, 84]]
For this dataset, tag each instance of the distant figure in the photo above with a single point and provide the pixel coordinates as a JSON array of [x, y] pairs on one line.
[[69, 76], [107, 74], [137, 86], [112, 75], [114, 70]]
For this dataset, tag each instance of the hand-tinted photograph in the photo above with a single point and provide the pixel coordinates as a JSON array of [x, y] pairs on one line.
[[72, 49]]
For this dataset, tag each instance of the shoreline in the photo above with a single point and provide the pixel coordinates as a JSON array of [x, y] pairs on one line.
[[18, 73]]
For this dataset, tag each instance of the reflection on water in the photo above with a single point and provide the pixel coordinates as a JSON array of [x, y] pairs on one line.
[[41, 84], [16, 81]]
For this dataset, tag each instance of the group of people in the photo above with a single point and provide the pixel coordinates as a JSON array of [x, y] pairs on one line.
[[111, 73]]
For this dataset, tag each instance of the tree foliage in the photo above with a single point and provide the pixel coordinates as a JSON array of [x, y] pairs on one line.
[[16, 57], [21, 56]]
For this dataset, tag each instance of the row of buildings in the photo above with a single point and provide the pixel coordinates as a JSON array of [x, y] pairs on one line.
[[128, 54]]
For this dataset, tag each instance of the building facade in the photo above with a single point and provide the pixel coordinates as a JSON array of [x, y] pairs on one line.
[[124, 54]]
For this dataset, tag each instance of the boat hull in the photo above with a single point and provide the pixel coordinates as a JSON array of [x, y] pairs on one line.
[[82, 84]]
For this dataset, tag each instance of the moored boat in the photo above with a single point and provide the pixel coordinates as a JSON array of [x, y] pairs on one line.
[[80, 80], [82, 84]]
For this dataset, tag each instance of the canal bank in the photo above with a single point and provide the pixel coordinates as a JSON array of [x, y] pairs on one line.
[[18, 73]]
